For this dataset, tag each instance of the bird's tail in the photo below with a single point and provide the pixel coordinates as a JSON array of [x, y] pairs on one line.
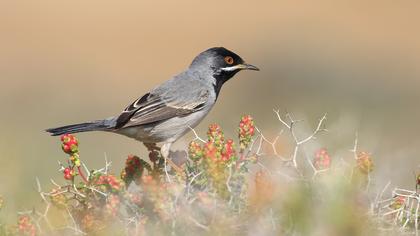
[[99, 125]]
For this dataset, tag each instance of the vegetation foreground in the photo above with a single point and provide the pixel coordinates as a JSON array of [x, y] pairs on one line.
[[224, 187]]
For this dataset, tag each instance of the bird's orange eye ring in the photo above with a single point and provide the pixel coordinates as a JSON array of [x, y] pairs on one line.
[[229, 60]]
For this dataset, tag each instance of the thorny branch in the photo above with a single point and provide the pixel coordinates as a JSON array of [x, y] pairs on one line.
[[298, 142]]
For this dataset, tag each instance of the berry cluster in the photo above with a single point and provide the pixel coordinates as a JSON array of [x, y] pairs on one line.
[[228, 151], [109, 183], [195, 151], [246, 131], [364, 162], [25, 226], [102, 198], [322, 159], [216, 149], [216, 157], [211, 151], [68, 173], [133, 169], [70, 145], [215, 134]]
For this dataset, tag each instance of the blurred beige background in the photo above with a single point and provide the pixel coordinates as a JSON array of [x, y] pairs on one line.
[[64, 62]]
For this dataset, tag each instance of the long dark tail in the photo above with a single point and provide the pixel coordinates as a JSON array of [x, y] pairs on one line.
[[99, 125]]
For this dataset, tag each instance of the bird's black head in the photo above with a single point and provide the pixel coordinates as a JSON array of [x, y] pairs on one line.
[[222, 63]]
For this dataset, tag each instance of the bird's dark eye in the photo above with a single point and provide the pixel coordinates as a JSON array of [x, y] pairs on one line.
[[229, 60]]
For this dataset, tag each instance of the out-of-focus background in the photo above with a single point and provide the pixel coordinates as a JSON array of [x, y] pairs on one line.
[[64, 62]]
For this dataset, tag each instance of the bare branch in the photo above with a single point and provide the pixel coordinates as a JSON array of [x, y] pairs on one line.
[[196, 135]]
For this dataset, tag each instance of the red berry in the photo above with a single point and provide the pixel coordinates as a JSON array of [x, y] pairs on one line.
[[66, 148], [66, 171], [68, 176], [64, 136], [72, 142], [322, 159]]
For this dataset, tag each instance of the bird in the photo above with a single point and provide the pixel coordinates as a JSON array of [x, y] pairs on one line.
[[173, 108]]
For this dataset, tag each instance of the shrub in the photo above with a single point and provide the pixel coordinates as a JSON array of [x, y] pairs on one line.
[[223, 187]]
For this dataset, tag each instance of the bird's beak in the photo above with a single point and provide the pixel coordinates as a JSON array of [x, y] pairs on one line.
[[242, 66], [249, 67]]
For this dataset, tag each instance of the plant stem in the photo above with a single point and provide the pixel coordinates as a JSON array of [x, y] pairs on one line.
[[81, 174]]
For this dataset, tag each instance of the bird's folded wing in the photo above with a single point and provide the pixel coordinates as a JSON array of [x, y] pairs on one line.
[[153, 108]]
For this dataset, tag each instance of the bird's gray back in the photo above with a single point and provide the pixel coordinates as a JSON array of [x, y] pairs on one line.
[[186, 87]]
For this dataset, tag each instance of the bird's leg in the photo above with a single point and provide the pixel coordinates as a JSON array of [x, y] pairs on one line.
[[164, 150]]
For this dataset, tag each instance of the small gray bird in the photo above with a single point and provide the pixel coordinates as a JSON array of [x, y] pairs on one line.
[[168, 111]]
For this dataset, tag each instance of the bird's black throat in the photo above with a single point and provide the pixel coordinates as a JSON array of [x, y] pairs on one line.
[[221, 77]]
